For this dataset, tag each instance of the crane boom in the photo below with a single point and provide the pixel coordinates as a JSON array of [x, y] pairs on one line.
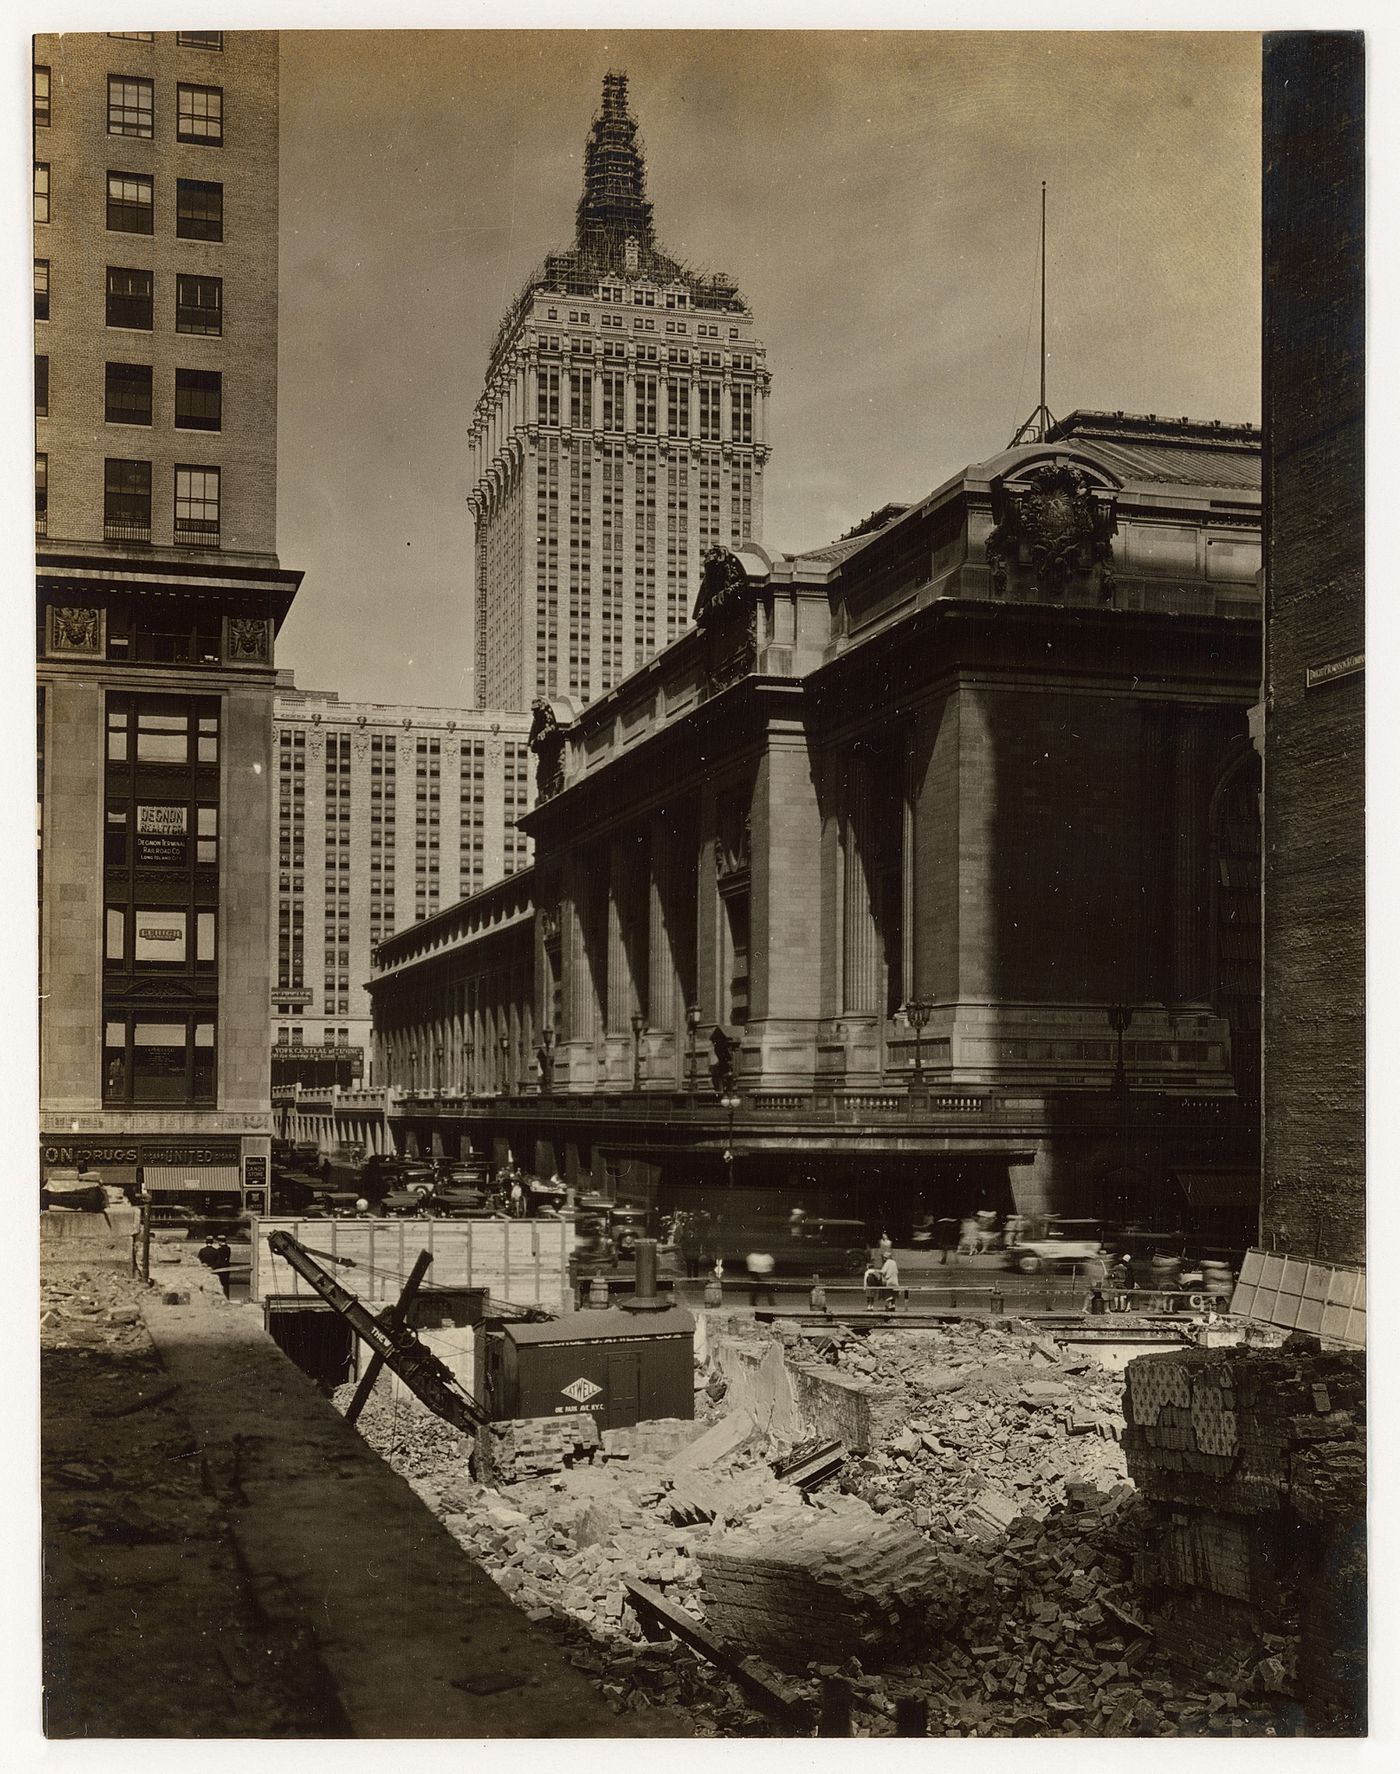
[[396, 1345]]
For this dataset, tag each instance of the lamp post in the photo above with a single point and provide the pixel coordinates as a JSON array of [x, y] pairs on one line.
[[468, 1053], [1120, 1017], [505, 1065], [546, 1060], [918, 1011], [639, 1022], [730, 1101], [692, 1024]]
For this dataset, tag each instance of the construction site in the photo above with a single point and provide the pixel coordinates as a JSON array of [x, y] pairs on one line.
[[531, 1520]]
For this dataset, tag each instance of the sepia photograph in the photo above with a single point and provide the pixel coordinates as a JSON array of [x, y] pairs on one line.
[[700, 732]]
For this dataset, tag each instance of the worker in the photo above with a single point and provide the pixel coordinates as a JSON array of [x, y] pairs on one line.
[[517, 1199], [760, 1267], [889, 1280], [217, 1255]]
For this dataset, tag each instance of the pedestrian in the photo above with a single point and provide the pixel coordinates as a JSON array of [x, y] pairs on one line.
[[872, 1281], [967, 1237], [217, 1255], [816, 1300], [760, 1267], [517, 1199], [889, 1280]]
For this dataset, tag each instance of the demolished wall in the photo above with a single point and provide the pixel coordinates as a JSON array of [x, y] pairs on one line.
[[1253, 1464]]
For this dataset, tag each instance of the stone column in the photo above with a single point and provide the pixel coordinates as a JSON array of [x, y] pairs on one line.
[[629, 409], [860, 939], [1192, 888], [622, 991], [580, 1000], [663, 983], [693, 395], [663, 404], [726, 410]]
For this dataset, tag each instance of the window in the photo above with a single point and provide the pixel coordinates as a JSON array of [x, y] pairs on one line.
[[199, 209], [131, 107], [200, 39], [163, 734], [198, 400], [207, 835], [199, 305], [41, 386], [41, 289], [130, 203], [43, 89], [134, 36], [128, 394], [129, 298], [41, 495], [200, 115], [197, 506], [41, 190], [126, 509]]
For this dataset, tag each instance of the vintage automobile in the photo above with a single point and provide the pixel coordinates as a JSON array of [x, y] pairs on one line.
[[1060, 1244]]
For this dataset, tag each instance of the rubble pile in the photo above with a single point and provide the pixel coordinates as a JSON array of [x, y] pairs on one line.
[[985, 1423], [88, 1308], [509, 1451]]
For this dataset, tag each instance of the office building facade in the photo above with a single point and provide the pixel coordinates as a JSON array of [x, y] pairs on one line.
[[385, 814], [621, 433], [160, 595]]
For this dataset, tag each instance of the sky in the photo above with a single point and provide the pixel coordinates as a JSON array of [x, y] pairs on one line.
[[876, 196]]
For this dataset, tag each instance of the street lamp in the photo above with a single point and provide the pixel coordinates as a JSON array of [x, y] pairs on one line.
[[505, 1065], [918, 1011], [692, 1023], [639, 1022], [546, 1059], [730, 1101], [1120, 1016]]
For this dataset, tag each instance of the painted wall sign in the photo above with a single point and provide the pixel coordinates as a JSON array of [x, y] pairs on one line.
[[1345, 667], [160, 936], [97, 1151], [162, 834]]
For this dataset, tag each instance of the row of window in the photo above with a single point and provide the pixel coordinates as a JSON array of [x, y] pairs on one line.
[[130, 300], [185, 39], [131, 110], [128, 395], [126, 502], [131, 204]]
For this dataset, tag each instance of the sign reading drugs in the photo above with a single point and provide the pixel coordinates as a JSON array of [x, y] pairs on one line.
[[161, 834], [160, 936]]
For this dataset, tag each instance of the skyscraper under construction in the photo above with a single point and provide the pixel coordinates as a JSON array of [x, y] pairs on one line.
[[621, 433]]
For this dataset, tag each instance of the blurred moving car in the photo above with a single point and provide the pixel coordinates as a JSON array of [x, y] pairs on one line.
[[1059, 1244]]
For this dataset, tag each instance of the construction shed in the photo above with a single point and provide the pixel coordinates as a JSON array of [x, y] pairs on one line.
[[620, 1367]]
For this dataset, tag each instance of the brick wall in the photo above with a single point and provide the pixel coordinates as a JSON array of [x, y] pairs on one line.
[[1314, 1061]]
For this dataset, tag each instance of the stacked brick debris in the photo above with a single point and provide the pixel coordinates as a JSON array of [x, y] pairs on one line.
[[1253, 1463]]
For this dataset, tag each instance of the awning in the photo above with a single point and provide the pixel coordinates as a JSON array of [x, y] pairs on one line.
[[1220, 1188], [177, 1179]]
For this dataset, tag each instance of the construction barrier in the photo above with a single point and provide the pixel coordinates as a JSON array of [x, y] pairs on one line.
[[523, 1261]]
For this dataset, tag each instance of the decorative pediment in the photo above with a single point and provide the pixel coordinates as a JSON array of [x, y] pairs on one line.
[[1053, 524]]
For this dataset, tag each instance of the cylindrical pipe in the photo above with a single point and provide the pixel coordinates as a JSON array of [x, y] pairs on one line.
[[644, 1253]]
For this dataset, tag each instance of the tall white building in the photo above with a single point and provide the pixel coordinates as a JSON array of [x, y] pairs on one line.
[[621, 433], [385, 814]]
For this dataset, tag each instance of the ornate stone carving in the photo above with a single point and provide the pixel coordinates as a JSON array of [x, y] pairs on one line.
[[546, 741], [75, 629], [726, 614], [247, 638], [1055, 526]]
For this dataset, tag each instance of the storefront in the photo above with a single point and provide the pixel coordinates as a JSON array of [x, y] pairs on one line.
[[208, 1175]]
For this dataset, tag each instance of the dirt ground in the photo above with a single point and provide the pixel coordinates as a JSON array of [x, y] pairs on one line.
[[149, 1628]]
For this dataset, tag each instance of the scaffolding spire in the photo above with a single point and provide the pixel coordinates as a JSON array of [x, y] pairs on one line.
[[1037, 427], [614, 207]]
